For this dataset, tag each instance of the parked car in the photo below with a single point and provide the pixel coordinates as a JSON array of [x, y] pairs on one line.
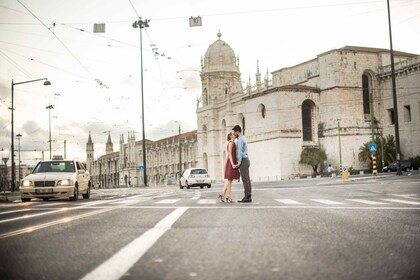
[[56, 179], [195, 177], [406, 165]]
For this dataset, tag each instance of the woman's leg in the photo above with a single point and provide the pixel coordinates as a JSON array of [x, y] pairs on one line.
[[229, 189]]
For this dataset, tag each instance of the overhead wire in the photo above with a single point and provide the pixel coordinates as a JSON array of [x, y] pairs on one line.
[[65, 46]]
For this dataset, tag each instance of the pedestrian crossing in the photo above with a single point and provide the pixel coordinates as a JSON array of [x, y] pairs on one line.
[[345, 202]]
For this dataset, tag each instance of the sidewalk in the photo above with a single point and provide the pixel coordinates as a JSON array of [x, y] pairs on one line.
[[9, 196]]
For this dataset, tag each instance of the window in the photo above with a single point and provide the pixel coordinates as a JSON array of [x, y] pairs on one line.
[[366, 93], [407, 113], [308, 117], [261, 110], [391, 115]]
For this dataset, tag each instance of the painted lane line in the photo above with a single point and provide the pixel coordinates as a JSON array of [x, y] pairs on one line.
[[370, 202], [15, 211], [53, 223], [289, 201], [327, 201], [206, 201], [403, 201], [116, 266], [167, 201], [83, 206]]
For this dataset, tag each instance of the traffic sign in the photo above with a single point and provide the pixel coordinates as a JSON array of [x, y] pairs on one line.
[[141, 168], [372, 148]]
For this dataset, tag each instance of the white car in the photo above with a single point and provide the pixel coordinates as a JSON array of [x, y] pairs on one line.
[[195, 177], [56, 179]]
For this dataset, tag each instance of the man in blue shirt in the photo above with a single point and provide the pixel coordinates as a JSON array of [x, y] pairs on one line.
[[243, 162]]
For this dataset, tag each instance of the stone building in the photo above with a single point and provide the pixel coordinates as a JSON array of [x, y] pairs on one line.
[[304, 106], [122, 168]]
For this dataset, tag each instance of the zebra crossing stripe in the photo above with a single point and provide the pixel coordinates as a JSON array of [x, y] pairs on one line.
[[289, 201], [167, 201], [328, 202], [370, 202], [207, 201], [403, 201]]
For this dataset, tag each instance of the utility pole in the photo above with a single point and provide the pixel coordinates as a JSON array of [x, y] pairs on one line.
[[339, 147], [49, 107], [180, 152], [142, 24], [394, 96]]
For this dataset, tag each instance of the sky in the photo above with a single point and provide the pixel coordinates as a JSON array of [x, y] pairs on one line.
[[96, 77]]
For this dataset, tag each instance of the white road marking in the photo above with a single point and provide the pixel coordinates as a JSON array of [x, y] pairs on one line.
[[116, 266], [53, 223], [289, 201], [167, 201], [327, 201], [206, 201], [370, 202], [403, 201]]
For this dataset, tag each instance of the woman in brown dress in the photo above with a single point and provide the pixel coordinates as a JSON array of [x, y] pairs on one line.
[[231, 170]]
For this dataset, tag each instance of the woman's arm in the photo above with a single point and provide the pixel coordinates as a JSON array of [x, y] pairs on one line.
[[230, 145]]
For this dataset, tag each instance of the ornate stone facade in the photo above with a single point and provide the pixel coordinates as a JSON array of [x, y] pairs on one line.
[[304, 105]]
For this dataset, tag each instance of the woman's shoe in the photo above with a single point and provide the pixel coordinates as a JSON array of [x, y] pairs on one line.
[[221, 198], [229, 199]]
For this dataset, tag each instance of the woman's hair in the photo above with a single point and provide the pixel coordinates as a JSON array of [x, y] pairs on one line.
[[228, 136]]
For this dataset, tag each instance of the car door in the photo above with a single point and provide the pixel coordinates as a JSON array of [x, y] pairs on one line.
[[81, 176]]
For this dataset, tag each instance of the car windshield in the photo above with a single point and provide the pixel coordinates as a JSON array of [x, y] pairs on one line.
[[55, 166], [198, 171]]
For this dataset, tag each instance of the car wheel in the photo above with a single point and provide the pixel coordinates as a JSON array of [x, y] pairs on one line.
[[75, 194], [186, 183], [201, 187], [45, 198], [87, 194], [407, 169], [209, 186], [25, 199]]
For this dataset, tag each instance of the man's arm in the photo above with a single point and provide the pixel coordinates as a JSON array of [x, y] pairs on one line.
[[239, 152]]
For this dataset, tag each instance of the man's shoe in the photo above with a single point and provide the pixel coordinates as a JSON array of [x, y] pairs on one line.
[[245, 200]]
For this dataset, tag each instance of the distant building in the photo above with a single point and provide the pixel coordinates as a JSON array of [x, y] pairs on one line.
[[122, 168]]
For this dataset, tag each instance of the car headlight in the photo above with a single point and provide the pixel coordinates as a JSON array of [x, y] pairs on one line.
[[26, 183], [66, 182]]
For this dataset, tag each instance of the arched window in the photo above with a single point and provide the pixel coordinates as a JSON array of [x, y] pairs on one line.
[[308, 120], [224, 126], [261, 111], [205, 97], [242, 123], [367, 93]]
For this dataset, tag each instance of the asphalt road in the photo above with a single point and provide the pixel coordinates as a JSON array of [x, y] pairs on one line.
[[300, 229]]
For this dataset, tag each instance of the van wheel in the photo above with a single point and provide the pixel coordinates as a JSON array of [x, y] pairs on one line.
[[45, 198], [25, 199], [186, 183]]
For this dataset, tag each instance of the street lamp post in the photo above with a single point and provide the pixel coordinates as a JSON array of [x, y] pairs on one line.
[[142, 24], [12, 148], [18, 136], [394, 96], [49, 107], [339, 147]]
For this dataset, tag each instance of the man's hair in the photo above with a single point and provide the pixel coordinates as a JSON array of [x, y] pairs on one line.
[[237, 128]]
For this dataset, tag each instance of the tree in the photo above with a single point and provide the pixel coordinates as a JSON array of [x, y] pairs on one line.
[[384, 146], [313, 156]]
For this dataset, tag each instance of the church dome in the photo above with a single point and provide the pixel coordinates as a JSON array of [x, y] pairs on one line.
[[220, 57]]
